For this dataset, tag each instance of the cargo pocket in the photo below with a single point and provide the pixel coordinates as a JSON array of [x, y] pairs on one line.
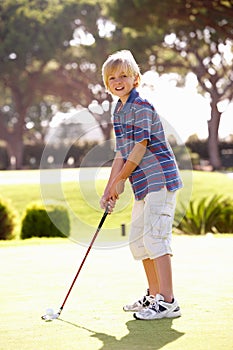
[[161, 224], [165, 225]]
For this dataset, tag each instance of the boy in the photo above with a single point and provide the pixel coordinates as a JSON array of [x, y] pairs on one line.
[[145, 158]]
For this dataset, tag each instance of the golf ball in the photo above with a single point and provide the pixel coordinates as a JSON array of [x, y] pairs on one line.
[[49, 312]]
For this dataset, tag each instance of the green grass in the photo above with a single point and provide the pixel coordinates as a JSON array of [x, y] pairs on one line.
[[207, 184], [37, 273], [82, 199], [37, 276], [200, 183]]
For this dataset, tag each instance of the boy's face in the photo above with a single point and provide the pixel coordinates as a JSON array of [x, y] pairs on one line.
[[120, 84]]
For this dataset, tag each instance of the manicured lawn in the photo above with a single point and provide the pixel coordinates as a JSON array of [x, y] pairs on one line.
[[37, 275], [82, 198], [210, 183]]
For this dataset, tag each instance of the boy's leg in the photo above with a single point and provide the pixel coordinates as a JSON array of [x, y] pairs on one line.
[[152, 277], [158, 219], [164, 273], [163, 305], [139, 253], [159, 275]]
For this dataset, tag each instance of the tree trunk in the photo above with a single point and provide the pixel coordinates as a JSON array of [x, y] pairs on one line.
[[17, 148], [213, 145], [14, 138], [14, 145], [21, 105]]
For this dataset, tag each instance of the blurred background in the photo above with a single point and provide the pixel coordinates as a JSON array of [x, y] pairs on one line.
[[51, 89]]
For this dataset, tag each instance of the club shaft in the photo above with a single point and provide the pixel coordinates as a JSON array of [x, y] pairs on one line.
[[84, 259]]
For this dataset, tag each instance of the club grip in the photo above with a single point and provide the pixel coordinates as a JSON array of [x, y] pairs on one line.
[[103, 218]]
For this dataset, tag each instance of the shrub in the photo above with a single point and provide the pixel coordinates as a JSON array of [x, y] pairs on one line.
[[224, 223], [52, 221], [202, 217], [7, 220]]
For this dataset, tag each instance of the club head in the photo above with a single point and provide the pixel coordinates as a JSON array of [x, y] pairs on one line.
[[50, 317]]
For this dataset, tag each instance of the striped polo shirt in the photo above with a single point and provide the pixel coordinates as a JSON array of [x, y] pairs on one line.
[[136, 121]]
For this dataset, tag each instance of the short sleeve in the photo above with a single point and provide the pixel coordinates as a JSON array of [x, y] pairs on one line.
[[143, 123]]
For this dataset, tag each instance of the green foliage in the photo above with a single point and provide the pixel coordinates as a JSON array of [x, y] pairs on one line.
[[183, 156], [200, 147], [40, 66], [79, 195], [34, 30], [38, 221], [7, 220], [46, 58], [224, 222], [214, 214], [181, 37]]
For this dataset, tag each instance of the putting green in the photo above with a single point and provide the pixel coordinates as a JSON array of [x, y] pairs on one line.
[[37, 276]]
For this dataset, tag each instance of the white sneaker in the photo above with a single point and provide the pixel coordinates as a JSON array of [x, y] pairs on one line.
[[141, 304], [159, 309]]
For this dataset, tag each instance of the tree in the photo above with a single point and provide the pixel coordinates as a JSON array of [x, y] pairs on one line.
[[183, 36], [43, 63]]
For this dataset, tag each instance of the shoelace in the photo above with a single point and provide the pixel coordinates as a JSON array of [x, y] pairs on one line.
[[155, 306], [146, 301]]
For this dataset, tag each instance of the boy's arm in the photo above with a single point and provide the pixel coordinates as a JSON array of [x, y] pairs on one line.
[[134, 158], [117, 165]]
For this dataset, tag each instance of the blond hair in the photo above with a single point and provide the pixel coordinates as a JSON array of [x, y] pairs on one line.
[[121, 60]]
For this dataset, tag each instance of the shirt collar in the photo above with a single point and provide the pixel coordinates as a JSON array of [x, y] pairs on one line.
[[127, 105]]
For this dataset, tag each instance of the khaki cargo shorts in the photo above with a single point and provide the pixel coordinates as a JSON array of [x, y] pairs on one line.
[[151, 227]]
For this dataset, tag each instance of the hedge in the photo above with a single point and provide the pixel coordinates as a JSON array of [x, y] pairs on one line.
[[7, 220], [38, 221]]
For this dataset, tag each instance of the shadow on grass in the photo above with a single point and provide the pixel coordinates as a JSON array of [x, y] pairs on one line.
[[143, 335]]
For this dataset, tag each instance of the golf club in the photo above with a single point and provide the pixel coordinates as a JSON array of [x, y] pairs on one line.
[[50, 315]]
